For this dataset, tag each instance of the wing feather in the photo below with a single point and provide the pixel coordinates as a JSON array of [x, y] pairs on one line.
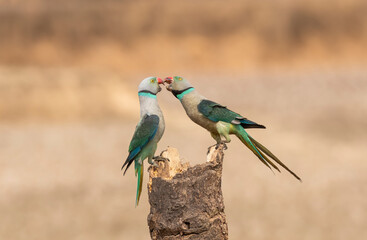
[[144, 132], [216, 112]]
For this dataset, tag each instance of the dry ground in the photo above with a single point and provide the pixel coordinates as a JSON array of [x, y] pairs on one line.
[[64, 135]]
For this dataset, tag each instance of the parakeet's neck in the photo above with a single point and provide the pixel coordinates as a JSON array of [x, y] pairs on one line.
[[149, 104], [189, 93], [179, 94], [190, 102]]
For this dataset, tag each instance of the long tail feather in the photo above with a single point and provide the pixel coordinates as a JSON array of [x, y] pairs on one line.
[[270, 154], [261, 152], [267, 159], [139, 172], [243, 136]]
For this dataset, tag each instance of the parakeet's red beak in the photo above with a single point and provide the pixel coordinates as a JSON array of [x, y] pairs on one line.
[[160, 80], [168, 80]]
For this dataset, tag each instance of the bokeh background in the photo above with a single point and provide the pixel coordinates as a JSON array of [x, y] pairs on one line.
[[69, 72]]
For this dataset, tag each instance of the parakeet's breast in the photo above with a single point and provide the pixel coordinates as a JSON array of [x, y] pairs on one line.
[[161, 127], [190, 103], [150, 106]]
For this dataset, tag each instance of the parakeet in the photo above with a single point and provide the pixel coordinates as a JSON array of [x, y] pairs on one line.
[[219, 120], [149, 130]]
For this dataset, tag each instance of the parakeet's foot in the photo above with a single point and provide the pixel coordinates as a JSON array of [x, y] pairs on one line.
[[160, 158], [224, 145], [153, 163], [218, 144]]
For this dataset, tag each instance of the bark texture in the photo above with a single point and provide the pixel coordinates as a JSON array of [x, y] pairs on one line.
[[187, 202]]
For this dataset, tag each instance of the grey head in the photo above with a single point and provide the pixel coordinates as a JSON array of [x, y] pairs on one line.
[[150, 86], [177, 85]]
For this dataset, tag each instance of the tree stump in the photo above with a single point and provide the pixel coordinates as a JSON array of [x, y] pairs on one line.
[[187, 202]]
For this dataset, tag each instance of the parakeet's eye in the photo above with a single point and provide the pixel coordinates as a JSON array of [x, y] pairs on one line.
[[152, 80], [180, 78]]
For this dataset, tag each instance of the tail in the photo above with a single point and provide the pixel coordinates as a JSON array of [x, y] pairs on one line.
[[261, 152], [139, 170]]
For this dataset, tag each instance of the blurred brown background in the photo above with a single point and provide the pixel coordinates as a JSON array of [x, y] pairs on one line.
[[69, 72]]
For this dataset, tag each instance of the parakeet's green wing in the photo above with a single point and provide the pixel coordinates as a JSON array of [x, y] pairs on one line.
[[216, 112], [144, 132]]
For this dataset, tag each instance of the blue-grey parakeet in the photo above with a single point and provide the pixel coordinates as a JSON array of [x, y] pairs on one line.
[[219, 120], [149, 130]]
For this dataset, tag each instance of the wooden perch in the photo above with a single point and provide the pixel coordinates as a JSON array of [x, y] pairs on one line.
[[187, 202]]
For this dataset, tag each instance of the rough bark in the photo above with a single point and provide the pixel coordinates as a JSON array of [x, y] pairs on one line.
[[187, 202]]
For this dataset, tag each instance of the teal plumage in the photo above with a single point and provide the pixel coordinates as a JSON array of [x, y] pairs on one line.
[[216, 112], [144, 132]]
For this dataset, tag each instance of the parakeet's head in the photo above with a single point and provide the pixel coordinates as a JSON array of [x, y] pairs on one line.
[[150, 85], [177, 84]]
